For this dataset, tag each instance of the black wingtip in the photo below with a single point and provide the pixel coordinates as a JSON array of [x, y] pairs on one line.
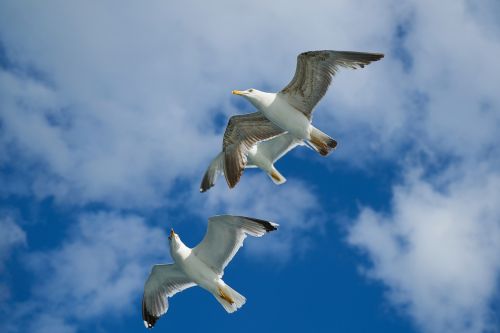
[[268, 226], [376, 56], [363, 58], [149, 319], [206, 184]]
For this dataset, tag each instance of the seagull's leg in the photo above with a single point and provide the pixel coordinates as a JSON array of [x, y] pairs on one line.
[[224, 296], [229, 298], [276, 176]]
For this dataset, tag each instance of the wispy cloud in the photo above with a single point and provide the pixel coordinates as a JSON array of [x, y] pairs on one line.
[[98, 270], [437, 250], [11, 236], [117, 106], [119, 120]]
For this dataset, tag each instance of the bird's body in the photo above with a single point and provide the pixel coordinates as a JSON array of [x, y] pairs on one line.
[[202, 265], [282, 114], [262, 155], [257, 158], [193, 267], [287, 111]]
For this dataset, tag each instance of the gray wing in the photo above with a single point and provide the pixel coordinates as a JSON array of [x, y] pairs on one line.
[[242, 132], [212, 173], [314, 73], [224, 237], [275, 148], [163, 281]]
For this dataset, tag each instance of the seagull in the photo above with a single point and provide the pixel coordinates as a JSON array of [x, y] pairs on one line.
[[202, 265], [262, 155], [288, 111]]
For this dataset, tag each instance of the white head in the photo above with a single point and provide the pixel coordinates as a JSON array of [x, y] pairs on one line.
[[256, 97], [175, 241]]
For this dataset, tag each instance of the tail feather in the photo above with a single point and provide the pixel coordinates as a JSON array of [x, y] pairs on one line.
[[213, 171], [229, 298], [276, 176], [321, 142]]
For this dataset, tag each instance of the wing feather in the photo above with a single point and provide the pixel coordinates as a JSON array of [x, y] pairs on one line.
[[242, 132], [314, 73], [164, 281], [212, 173], [225, 236]]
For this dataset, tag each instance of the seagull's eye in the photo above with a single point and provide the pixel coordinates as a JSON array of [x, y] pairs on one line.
[[250, 90]]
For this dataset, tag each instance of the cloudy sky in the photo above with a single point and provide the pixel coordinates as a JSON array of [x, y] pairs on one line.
[[110, 112]]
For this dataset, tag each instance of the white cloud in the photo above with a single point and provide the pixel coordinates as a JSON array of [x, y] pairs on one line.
[[99, 269], [437, 250], [11, 236], [51, 324], [119, 105], [124, 102]]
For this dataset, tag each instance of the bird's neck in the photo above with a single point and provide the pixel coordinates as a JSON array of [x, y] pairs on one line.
[[180, 251], [263, 100]]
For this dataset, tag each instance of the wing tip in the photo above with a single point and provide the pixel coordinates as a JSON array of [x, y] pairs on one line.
[[205, 188], [268, 225], [148, 319], [205, 184], [361, 59]]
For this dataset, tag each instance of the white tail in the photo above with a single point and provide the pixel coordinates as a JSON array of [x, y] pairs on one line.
[[321, 142], [229, 298], [276, 176]]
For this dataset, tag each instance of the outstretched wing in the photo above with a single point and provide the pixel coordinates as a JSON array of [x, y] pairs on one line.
[[275, 148], [242, 132], [163, 281], [314, 73], [224, 237]]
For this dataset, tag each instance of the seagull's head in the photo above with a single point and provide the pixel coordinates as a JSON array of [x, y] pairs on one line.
[[256, 97], [172, 234], [174, 241], [249, 93], [173, 237]]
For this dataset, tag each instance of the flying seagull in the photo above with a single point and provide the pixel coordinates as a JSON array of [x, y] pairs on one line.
[[203, 265], [289, 110], [262, 155]]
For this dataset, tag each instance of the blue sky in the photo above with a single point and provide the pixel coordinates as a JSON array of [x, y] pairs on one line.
[[110, 113]]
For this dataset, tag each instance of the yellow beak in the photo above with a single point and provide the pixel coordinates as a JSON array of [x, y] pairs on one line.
[[172, 233], [237, 92]]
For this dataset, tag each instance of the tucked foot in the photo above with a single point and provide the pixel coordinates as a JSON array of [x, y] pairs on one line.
[[225, 297]]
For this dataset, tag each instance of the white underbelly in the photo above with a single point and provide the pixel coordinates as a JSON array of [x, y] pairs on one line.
[[257, 159], [200, 273], [288, 118]]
